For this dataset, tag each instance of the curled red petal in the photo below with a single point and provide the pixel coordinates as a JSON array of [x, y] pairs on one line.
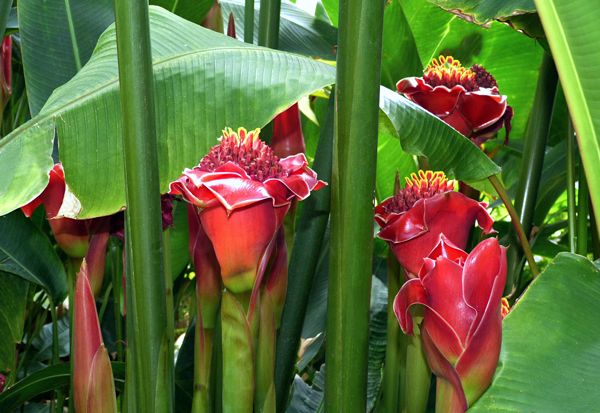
[[412, 85], [234, 193], [412, 292], [450, 396], [441, 101], [481, 108], [444, 248], [458, 122]]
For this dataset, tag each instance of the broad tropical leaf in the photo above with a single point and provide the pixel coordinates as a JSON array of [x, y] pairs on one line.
[[204, 82], [549, 340], [483, 12], [572, 30], [13, 296], [57, 39], [192, 10], [421, 133], [27, 252]]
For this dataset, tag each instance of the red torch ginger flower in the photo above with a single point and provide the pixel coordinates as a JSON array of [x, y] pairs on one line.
[[78, 238], [412, 221], [287, 133], [461, 330], [466, 99], [244, 191]]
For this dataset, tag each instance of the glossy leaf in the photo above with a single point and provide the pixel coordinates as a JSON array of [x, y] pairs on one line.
[[192, 10], [547, 342], [572, 30], [299, 32], [13, 296], [483, 12], [27, 252], [41, 346], [57, 39], [421, 133], [194, 68], [180, 256]]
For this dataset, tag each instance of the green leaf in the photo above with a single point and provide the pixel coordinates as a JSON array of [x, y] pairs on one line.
[[27, 252], [483, 12], [400, 57], [13, 296], [192, 10], [377, 340], [180, 237], [421, 133], [299, 32], [47, 379], [572, 30], [391, 158], [57, 39], [332, 7], [550, 353], [42, 344], [204, 82]]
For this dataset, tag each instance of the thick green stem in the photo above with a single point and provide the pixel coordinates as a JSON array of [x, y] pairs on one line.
[[395, 354], [353, 189], [418, 373], [594, 230], [71, 276], [264, 357], [536, 137], [249, 21], [170, 313], [571, 205], [516, 223], [582, 213], [303, 264], [268, 24], [146, 286]]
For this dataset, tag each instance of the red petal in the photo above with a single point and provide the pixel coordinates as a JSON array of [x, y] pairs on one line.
[[87, 338], [412, 292], [485, 265], [208, 272], [450, 397], [481, 108], [240, 238], [458, 122], [234, 193], [198, 196], [278, 275], [441, 101], [287, 133], [412, 85], [445, 295], [446, 249], [96, 256]]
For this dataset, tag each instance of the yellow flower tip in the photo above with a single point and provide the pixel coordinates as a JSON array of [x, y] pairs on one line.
[[504, 307]]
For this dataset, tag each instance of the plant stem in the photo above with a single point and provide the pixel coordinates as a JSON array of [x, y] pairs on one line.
[[71, 276], [146, 286], [117, 273], [249, 21], [353, 189], [418, 373], [268, 24], [303, 264], [395, 355], [104, 302], [170, 313], [517, 224], [571, 206], [583, 196], [536, 137], [55, 351]]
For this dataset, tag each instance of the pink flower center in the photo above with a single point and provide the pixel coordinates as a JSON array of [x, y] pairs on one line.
[[449, 72], [425, 185], [247, 151]]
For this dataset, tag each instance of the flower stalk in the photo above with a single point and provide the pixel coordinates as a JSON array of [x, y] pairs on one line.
[[582, 213]]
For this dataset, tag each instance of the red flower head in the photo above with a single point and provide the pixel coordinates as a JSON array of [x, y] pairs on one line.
[[78, 238], [462, 323], [412, 221], [244, 191], [466, 99]]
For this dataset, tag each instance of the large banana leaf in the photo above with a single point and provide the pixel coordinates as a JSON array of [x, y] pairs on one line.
[[483, 12], [572, 30], [421, 133], [204, 82], [57, 39], [550, 353], [192, 10], [13, 296]]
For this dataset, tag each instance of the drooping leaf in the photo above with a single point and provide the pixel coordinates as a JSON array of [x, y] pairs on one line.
[[13, 297], [57, 39], [204, 82], [483, 12], [299, 31], [192, 10], [572, 30], [27, 252], [550, 340], [41, 346], [421, 133]]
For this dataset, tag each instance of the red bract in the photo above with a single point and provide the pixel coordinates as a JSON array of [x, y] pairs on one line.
[[466, 99], [462, 323], [278, 275], [412, 221], [244, 191], [78, 238], [6, 68], [287, 133]]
